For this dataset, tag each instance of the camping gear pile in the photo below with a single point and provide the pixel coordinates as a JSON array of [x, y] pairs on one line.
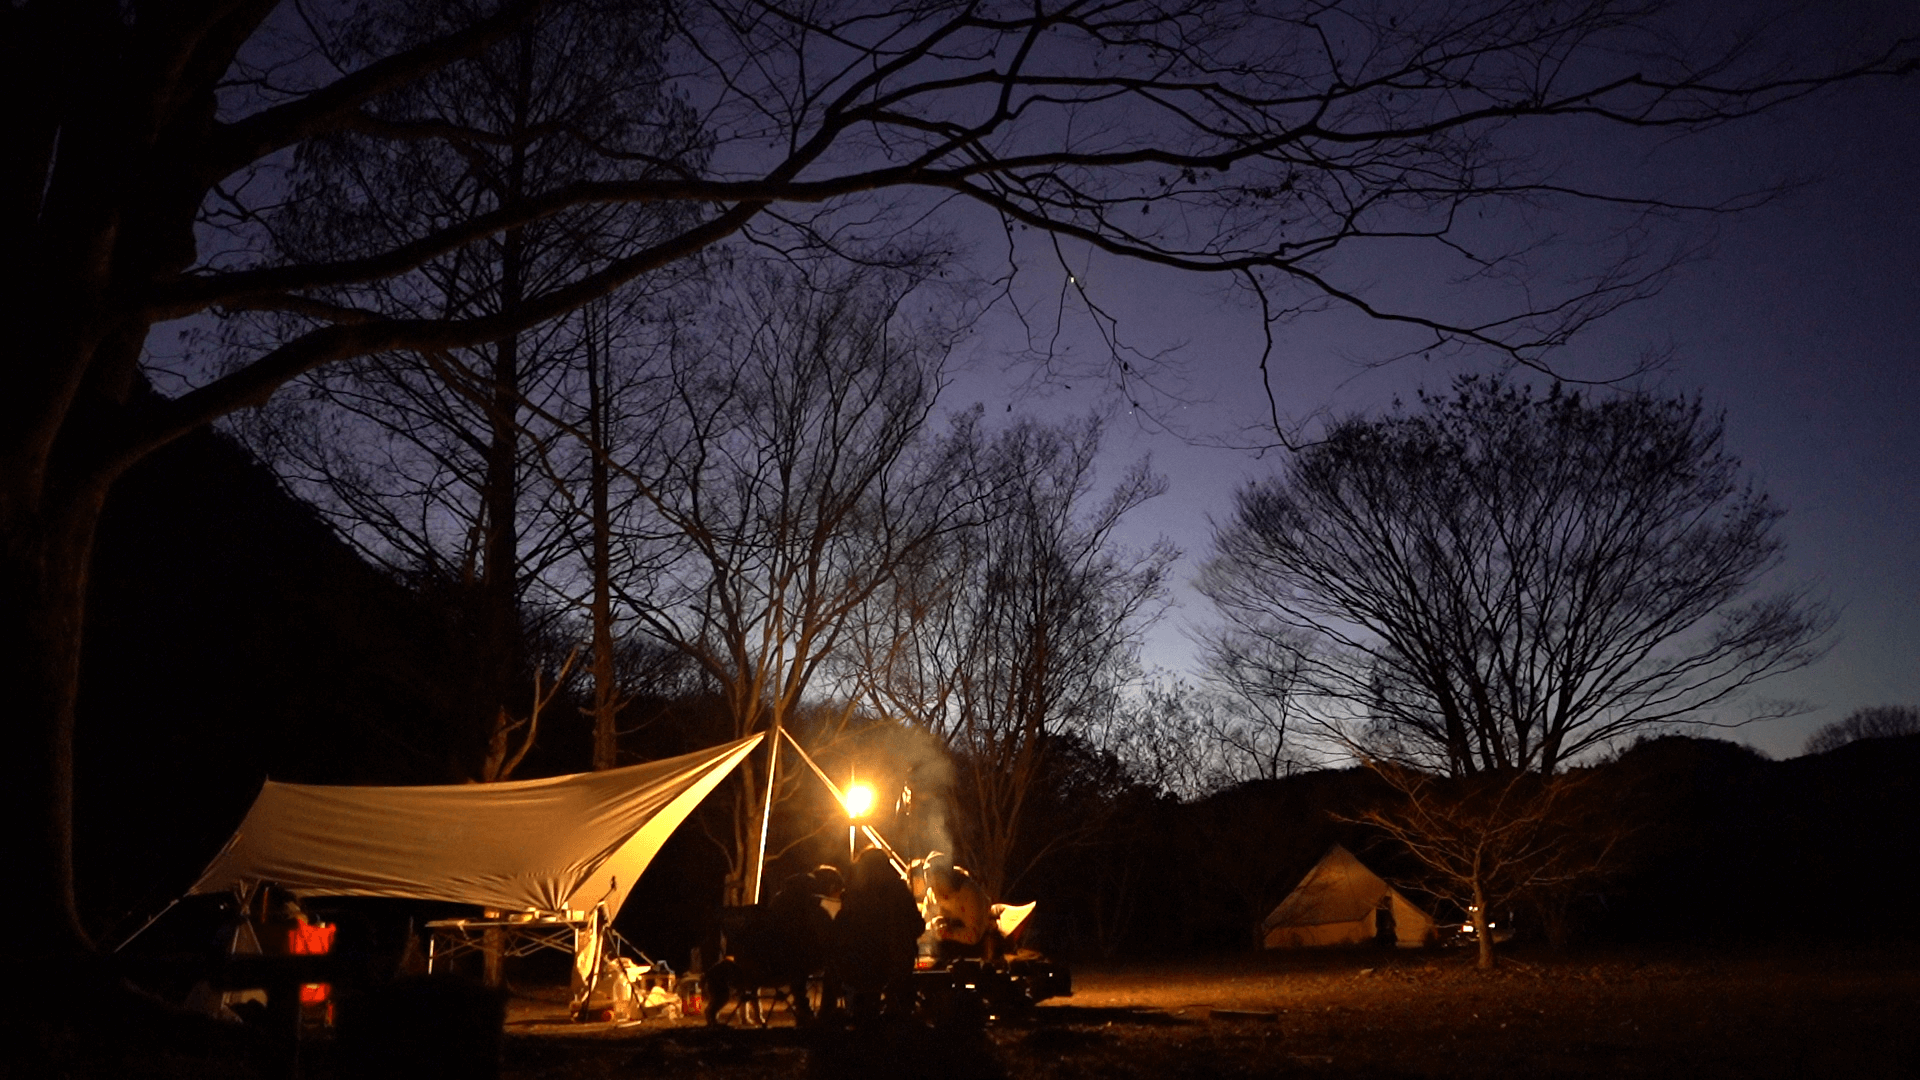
[[1007, 981]]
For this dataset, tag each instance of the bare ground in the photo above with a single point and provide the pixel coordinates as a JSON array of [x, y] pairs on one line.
[[1774, 1013], [1821, 1012]]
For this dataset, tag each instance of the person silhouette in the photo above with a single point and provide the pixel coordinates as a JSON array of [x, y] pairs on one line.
[[1385, 934]]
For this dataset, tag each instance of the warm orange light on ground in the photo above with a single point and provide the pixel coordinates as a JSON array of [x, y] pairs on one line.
[[858, 800]]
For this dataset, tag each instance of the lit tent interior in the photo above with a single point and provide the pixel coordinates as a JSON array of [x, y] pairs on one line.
[[1335, 905]]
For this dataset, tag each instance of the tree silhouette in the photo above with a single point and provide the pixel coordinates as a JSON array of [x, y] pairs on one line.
[[439, 466], [1490, 839], [1873, 722], [785, 487], [1016, 631], [1502, 580], [147, 141]]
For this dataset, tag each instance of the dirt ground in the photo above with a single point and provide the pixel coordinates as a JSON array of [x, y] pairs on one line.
[[1696, 1013], [1822, 1012]]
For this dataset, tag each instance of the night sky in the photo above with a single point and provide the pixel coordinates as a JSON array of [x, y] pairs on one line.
[[1803, 324]]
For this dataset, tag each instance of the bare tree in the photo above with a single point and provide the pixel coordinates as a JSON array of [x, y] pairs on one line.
[[602, 437], [1488, 840], [1018, 631], [502, 758], [610, 558], [435, 465], [1873, 722], [1254, 719], [1192, 742], [789, 489], [1503, 580], [1157, 733], [146, 142]]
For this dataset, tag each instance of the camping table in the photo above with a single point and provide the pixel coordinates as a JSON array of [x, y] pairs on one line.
[[519, 936]]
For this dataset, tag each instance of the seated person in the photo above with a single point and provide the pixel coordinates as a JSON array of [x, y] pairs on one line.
[[959, 913]]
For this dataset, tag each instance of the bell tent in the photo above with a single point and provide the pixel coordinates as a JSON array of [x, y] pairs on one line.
[[1337, 904]]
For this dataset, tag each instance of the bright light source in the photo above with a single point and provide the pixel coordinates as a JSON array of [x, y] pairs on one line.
[[859, 800]]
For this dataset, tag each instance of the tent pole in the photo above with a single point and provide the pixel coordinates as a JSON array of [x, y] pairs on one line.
[[144, 925], [899, 863], [766, 814]]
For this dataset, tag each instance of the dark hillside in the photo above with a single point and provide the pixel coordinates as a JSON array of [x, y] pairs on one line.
[[232, 637], [1739, 847], [1252, 844], [1726, 845]]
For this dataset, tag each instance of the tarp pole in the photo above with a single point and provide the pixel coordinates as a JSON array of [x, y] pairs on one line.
[[144, 925], [899, 863], [893, 856], [766, 814]]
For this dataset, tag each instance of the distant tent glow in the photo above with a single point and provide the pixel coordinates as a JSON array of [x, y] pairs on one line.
[[1335, 904]]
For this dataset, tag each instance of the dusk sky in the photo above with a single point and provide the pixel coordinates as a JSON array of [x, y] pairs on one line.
[[1803, 325]]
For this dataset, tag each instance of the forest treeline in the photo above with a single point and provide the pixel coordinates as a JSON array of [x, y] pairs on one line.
[[1720, 844], [234, 637]]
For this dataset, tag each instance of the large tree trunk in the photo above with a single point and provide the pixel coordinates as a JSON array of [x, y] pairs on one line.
[[500, 560], [745, 828], [606, 692], [43, 583], [45, 594]]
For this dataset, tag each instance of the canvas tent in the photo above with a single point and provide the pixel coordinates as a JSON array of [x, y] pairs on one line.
[[561, 846], [1335, 904]]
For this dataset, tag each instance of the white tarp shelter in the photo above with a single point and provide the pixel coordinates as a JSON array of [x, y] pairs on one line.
[[1336, 904], [566, 844]]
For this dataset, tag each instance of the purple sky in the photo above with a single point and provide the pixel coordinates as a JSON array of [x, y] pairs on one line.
[[1804, 326]]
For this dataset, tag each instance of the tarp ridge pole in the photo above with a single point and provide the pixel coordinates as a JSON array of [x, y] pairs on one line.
[[766, 814]]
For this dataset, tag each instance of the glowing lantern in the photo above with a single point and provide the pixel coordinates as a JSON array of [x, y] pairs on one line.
[[859, 800]]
